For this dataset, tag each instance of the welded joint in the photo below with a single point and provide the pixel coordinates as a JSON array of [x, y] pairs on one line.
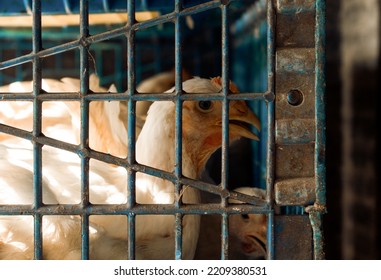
[[316, 208], [269, 96]]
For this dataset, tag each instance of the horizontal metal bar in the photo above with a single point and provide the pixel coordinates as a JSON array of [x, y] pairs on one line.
[[106, 35], [121, 209], [40, 54], [135, 167], [75, 96], [43, 140], [16, 132], [17, 61]]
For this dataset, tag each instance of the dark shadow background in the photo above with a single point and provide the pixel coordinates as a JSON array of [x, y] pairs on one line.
[[359, 241]]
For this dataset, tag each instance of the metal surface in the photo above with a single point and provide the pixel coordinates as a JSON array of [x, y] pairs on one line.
[[300, 127], [37, 120], [299, 191], [287, 247], [295, 169], [84, 123]]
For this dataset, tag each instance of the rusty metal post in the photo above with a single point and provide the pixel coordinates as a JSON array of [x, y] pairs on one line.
[[299, 119]]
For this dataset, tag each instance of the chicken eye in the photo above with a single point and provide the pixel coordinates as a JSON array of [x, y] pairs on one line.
[[245, 216], [205, 106]]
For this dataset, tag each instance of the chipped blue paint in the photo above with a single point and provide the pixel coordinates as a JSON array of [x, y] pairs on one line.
[[320, 168]]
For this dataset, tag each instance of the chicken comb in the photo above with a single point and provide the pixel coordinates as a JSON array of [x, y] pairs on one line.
[[218, 81]]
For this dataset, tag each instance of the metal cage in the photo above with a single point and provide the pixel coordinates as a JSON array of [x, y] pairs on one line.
[[288, 94]]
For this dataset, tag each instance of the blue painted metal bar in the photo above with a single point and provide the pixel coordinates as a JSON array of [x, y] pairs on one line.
[[271, 124], [131, 235], [131, 87], [41, 54], [66, 4], [16, 132], [224, 235], [121, 209], [136, 167], [37, 124], [137, 97], [225, 127], [27, 6], [320, 103], [320, 132], [106, 6], [270, 236], [178, 128], [84, 130]]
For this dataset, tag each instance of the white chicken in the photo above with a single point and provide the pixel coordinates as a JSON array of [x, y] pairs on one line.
[[247, 233], [61, 119], [202, 127], [158, 83]]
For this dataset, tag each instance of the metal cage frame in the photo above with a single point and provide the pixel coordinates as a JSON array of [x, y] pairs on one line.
[[84, 209]]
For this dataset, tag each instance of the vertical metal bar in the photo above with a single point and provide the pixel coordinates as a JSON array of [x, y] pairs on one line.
[[320, 169], [320, 99], [178, 128], [131, 236], [317, 231], [131, 84], [224, 236], [225, 127], [84, 133], [270, 236], [271, 124], [37, 115]]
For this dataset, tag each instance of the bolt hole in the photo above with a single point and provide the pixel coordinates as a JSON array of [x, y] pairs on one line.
[[295, 97]]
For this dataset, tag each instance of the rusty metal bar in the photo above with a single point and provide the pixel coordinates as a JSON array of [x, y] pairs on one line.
[[320, 103], [270, 162], [178, 127], [141, 209], [137, 97], [131, 155], [37, 120], [320, 168], [225, 126], [84, 129]]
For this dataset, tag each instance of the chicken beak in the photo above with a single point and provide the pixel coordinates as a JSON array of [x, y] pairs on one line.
[[240, 121]]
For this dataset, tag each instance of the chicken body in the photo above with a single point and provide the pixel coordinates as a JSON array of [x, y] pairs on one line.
[[201, 136], [61, 119]]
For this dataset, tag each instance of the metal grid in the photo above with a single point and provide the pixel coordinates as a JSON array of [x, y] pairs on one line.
[[131, 209]]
